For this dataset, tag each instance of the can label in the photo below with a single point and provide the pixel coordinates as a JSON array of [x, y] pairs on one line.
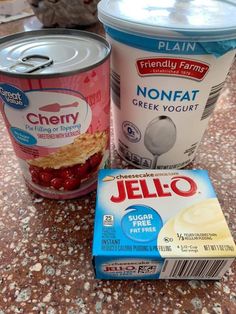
[[59, 128], [163, 103]]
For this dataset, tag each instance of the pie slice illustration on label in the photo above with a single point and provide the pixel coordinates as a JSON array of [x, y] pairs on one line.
[[70, 164], [108, 178]]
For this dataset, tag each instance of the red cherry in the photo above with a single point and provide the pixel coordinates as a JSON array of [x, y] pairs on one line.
[[71, 183], [34, 169], [95, 160], [82, 170], [45, 177], [35, 176], [56, 183], [49, 170], [66, 173], [34, 173], [55, 172]]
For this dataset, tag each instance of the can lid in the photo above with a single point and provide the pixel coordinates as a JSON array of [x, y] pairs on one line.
[[51, 52], [204, 19]]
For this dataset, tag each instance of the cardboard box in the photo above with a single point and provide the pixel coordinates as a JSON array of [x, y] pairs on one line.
[[154, 224]]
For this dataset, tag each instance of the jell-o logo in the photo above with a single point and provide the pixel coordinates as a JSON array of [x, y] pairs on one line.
[[138, 189]]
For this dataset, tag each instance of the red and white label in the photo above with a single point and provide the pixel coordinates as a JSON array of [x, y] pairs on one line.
[[47, 116], [172, 66]]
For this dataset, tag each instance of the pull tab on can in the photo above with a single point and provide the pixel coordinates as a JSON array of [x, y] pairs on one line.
[[31, 63]]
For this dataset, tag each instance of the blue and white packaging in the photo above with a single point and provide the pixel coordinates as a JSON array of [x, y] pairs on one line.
[[169, 63], [159, 224]]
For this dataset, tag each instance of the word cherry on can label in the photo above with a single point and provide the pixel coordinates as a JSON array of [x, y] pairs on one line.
[[55, 100]]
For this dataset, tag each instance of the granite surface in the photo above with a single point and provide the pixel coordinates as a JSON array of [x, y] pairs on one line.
[[45, 245]]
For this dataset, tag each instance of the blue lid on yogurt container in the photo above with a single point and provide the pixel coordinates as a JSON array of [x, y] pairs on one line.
[[203, 20]]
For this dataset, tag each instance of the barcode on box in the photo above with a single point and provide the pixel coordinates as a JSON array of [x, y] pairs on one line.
[[115, 88], [212, 99], [195, 268]]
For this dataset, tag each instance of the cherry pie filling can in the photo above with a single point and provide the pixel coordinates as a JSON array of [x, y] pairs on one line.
[[55, 100]]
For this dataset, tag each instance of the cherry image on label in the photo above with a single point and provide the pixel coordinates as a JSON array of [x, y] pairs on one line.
[[68, 178]]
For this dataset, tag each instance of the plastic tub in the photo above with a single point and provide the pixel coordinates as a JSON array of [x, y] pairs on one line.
[[169, 63]]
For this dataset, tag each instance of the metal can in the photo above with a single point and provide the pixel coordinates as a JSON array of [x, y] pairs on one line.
[[55, 100]]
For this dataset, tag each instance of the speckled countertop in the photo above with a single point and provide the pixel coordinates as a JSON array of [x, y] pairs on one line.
[[45, 245]]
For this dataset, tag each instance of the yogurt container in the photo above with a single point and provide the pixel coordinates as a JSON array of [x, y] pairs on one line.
[[55, 100], [169, 63]]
